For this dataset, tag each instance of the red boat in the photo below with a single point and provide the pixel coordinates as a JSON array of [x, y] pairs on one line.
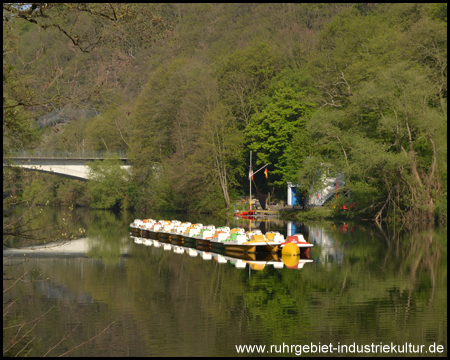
[[246, 213]]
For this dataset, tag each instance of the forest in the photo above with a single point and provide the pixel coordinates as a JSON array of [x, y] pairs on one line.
[[188, 90]]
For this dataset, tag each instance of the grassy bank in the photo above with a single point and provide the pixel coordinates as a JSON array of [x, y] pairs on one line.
[[317, 213]]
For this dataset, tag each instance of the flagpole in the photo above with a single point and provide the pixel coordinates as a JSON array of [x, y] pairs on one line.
[[250, 179], [250, 176]]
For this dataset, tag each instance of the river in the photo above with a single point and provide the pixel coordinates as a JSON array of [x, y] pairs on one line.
[[362, 290]]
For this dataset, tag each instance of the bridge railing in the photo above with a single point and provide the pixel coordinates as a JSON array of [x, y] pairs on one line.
[[57, 154]]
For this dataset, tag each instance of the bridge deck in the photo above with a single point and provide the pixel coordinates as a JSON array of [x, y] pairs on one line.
[[57, 154], [68, 164]]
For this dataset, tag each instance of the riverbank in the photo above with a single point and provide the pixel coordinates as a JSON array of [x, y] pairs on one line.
[[315, 213], [326, 213]]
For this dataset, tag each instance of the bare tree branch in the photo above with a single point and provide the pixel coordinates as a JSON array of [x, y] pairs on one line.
[[76, 347]]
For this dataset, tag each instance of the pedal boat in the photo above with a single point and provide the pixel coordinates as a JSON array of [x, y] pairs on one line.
[[176, 236], [154, 231], [135, 227], [142, 227], [204, 238], [171, 229], [256, 243], [147, 224], [217, 242], [164, 233], [275, 236], [188, 235], [298, 240]]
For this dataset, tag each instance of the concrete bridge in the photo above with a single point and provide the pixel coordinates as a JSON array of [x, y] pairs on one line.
[[68, 164]]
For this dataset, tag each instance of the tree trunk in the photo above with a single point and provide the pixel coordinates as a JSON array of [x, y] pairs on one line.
[[413, 154], [431, 176], [386, 202]]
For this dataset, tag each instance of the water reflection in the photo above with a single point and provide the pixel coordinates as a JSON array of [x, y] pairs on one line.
[[327, 242], [364, 285], [330, 239], [61, 292], [256, 261], [84, 247]]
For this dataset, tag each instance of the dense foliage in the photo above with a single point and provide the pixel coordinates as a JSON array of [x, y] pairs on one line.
[[191, 89]]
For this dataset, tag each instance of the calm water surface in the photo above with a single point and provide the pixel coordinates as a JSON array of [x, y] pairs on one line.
[[115, 297]]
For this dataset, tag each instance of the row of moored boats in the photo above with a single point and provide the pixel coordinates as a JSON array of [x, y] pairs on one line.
[[220, 238], [256, 261]]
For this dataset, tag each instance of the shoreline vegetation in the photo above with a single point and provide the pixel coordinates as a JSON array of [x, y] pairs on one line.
[[328, 213], [191, 95], [315, 91]]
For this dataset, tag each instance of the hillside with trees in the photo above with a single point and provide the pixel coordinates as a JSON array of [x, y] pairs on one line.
[[188, 90]]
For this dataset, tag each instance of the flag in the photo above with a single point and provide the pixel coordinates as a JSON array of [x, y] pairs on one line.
[[250, 174], [266, 173]]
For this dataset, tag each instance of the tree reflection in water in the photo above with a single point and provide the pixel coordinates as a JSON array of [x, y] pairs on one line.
[[363, 286]]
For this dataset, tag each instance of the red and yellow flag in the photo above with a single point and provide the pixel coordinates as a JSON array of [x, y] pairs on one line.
[[266, 173]]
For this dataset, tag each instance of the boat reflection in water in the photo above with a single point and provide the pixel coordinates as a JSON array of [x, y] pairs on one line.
[[256, 261]]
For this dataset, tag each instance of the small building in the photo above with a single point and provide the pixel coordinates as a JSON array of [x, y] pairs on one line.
[[293, 197], [317, 198]]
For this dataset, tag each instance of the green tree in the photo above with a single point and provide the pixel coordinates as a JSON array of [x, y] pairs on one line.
[[43, 70], [164, 128], [426, 45], [220, 145], [297, 152], [109, 131], [19, 129], [409, 112], [383, 84], [73, 192], [37, 192], [243, 76], [438, 11], [270, 132], [107, 183], [403, 155]]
